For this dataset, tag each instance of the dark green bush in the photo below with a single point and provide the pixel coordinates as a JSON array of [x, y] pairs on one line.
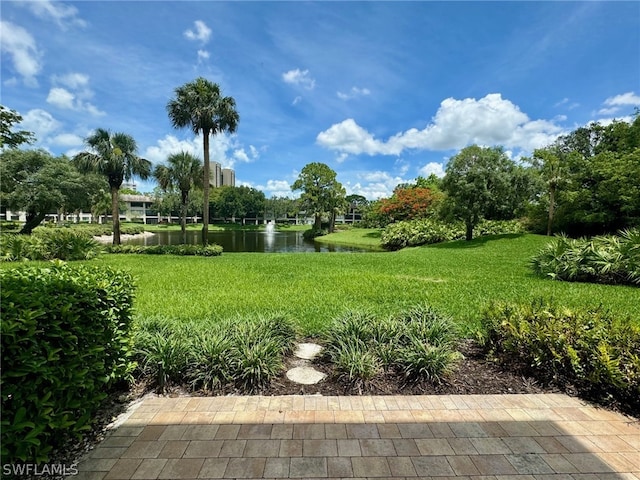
[[313, 233], [49, 244], [65, 342], [613, 259], [199, 250], [591, 349]]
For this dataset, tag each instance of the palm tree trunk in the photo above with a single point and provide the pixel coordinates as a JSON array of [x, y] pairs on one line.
[[183, 217], [469, 227], [115, 214], [552, 201], [205, 189]]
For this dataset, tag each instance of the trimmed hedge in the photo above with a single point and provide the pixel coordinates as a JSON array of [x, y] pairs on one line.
[[65, 342], [48, 244], [592, 350], [199, 250]]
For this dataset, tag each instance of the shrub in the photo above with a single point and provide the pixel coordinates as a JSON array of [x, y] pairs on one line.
[[65, 342], [49, 244], [184, 249], [605, 259], [418, 342], [429, 230], [313, 233], [591, 349]]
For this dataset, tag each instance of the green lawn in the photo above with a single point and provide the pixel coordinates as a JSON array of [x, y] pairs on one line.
[[458, 278], [362, 237]]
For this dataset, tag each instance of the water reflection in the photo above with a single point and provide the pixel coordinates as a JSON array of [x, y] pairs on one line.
[[247, 241]]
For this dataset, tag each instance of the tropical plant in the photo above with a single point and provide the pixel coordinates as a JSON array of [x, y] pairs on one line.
[[183, 173], [115, 157], [200, 106], [9, 138]]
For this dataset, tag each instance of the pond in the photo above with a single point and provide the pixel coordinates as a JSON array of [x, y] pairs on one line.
[[247, 241]]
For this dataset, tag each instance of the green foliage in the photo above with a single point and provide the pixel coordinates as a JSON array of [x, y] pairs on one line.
[[9, 138], [605, 259], [313, 233], [321, 193], [483, 183], [48, 244], [418, 342], [246, 353], [184, 249], [65, 342], [429, 230], [592, 349]]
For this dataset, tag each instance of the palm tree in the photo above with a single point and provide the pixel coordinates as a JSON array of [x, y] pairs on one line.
[[199, 105], [115, 157], [183, 173]]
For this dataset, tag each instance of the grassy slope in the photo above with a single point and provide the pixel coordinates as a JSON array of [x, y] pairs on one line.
[[361, 237], [458, 278]]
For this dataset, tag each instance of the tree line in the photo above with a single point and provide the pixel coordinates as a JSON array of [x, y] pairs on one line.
[[585, 183]]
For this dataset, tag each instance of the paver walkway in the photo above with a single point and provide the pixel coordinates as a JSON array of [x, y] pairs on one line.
[[483, 437]]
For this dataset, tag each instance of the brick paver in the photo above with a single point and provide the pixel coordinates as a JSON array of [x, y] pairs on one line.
[[470, 437]]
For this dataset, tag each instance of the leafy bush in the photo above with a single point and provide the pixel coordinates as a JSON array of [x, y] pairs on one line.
[[418, 342], [605, 259], [429, 230], [49, 244], [65, 342], [313, 233], [597, 352], [184, 249]]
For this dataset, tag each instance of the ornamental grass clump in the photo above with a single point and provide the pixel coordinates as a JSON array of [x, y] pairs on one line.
[[49, 244], [418, 343]]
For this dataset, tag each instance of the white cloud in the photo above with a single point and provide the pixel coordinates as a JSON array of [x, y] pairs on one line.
[[219, 148], [629, 98], [203, 55], [353, 93], [201, 33], [67, 140], [342, 157], [74, 96], [296, 100], [40, 122], [434, 168], [491, 120], [299, 77], [61, 13], [241, 155], [278, 188], [20, 45]]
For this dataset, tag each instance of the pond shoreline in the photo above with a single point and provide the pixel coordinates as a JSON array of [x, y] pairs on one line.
[[123, 237]]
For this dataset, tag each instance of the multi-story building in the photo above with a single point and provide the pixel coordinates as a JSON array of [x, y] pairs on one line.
[[219, 176], [228, 177]]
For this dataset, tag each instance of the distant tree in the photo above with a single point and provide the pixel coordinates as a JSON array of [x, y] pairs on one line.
[[484, 183], [321, 192], [410, 203], [38, 183], [356, 204], [115, 157], [238, 202], [9, 138], [279, 207], [200, 106], [183, 173]]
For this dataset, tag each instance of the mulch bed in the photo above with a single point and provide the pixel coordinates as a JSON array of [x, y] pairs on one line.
[[475, 375]]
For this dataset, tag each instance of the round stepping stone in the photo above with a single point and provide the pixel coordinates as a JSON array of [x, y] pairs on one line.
[[305, 375], [307, 351]]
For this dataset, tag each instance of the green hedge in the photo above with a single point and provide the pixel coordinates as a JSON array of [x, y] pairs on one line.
[[592, 350], [65, 342], [48, 244], [412, 233], [613, 259], [199, 250]]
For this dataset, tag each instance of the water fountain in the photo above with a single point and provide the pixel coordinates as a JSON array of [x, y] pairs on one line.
[[270, 227]]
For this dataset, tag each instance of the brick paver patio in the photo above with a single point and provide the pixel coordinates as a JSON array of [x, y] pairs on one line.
[[483, 437]]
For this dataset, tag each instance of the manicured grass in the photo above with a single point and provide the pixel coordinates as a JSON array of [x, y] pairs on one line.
[[361, 237], [456, 278]]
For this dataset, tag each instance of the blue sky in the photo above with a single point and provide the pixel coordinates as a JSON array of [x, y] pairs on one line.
[[380, 91]]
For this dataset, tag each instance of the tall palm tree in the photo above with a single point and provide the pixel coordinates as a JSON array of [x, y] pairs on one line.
[[199, 105], [114, 156], [183, 173]]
